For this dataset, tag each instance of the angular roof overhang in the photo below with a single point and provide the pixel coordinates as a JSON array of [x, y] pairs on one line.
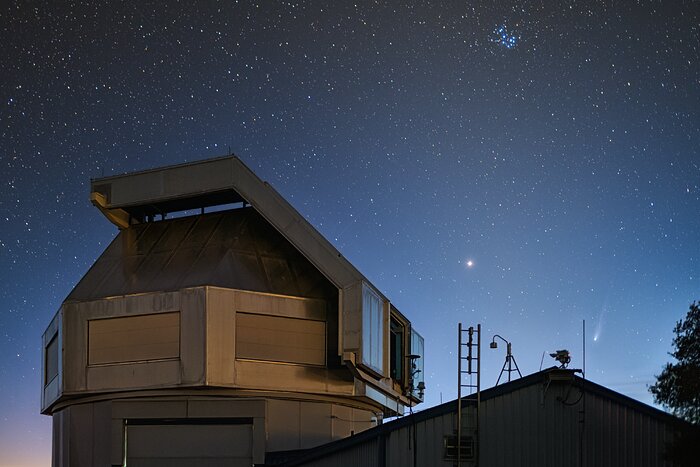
[[130, 198]]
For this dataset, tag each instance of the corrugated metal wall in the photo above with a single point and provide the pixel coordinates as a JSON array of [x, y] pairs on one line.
[[419, 444], [535, 425], [551, 428], [427, 447], [527, 425], [617, 435], [365, 454]]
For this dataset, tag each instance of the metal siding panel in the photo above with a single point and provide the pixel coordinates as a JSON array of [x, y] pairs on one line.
[[421, 453], [559, 429], [651, 436], [398, 446], [228, 408], [80, 436], [102, 433], [134, 338], [74, 349], [605, 427], [341, 421], [391, 451], [149, 409], [498, 415], [532, 416], [61, 438], [516, 423], [644, 440], [362, 419], [619, 435], [541, 435], [314, 424], [220, 341], [193, 336], [634, 416], [433, 436], [281, 339], [116, 452], [487, 432], [276, 305], [283, 422], [364, 455], [158, 185], [615, 437], [276, 376]]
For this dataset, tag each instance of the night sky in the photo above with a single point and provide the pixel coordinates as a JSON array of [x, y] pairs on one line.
[[523, 165]]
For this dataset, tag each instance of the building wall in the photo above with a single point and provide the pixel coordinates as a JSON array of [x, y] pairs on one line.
[[560, 426], [97, 433], [164, 347], [187, 339], [545, 425], [367, 454], [305, 424], [420, 443]]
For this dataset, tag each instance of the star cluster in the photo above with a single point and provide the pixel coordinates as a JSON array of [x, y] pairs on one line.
[[525, 176], [505, 38]]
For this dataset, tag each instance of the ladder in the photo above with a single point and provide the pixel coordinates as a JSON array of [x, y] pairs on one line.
[[467, 356]]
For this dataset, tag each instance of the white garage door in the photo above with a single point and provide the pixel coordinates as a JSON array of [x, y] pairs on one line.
[[189, 445]]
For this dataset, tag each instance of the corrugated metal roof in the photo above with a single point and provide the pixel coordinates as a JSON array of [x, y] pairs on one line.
[[235, 249]]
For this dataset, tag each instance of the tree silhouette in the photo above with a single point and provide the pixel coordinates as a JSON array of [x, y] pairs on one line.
[[678, 385], [678, 389]]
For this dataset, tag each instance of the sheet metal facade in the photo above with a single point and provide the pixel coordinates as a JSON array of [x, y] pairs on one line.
[[549, 419], [561, 425], [365, 454]]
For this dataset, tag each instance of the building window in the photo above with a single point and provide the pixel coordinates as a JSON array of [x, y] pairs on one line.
[[51, 360], [466, 449], [372, 330], [416, 375], [397, 356]]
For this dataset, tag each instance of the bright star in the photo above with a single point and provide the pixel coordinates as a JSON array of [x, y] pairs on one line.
[[470, 263]]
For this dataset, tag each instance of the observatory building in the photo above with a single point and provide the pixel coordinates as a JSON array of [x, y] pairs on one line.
[[220, 334]]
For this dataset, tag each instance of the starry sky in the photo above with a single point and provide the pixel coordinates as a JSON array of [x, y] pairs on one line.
[[523, 165]]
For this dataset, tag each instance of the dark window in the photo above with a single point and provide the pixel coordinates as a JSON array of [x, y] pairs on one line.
[[51, 360], [397, 352], [466, 448]]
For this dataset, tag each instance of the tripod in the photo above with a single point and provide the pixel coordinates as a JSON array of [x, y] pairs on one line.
[[510, 365]]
